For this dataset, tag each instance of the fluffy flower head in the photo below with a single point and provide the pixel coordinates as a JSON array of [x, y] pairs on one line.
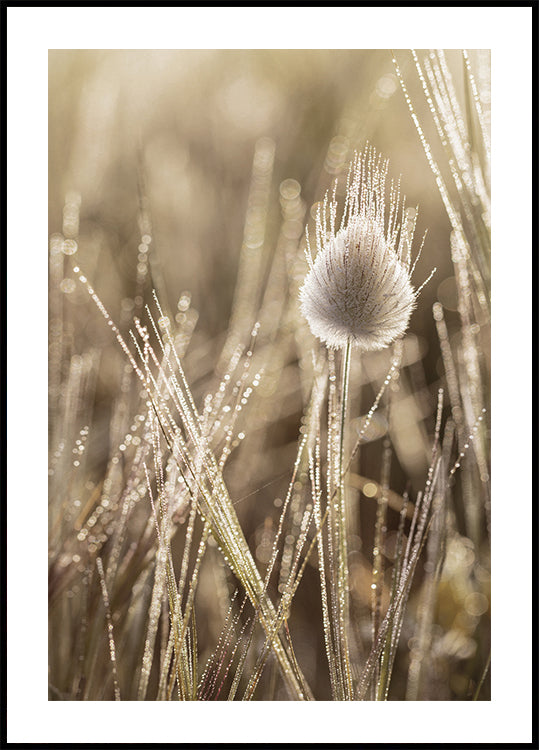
[[359, 287]]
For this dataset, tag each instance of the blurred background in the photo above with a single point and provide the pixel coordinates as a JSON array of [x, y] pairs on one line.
[[186, 171], [190, 121]]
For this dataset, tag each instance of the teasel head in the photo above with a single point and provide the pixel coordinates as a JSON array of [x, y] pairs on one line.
[[359, 288]]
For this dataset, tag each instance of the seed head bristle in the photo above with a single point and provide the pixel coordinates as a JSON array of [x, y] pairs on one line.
[[359, 287]]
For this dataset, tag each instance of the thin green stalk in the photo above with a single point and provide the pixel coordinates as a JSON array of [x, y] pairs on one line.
[[388, 654], [482, 680], [342, 528], [378, 560]]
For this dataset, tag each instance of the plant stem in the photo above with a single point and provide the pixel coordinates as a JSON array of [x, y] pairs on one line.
[[482, 680], [342, 526]]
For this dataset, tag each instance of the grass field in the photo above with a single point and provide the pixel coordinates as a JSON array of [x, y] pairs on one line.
[[236, 511]]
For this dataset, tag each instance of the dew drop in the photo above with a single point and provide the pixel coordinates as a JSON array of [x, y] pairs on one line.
[[67, 286], [69, 247]]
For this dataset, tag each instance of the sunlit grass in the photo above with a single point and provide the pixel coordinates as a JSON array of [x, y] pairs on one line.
[[237, 512]]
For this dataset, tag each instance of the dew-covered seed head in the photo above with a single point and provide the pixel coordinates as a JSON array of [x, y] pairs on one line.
[[358, 288]]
